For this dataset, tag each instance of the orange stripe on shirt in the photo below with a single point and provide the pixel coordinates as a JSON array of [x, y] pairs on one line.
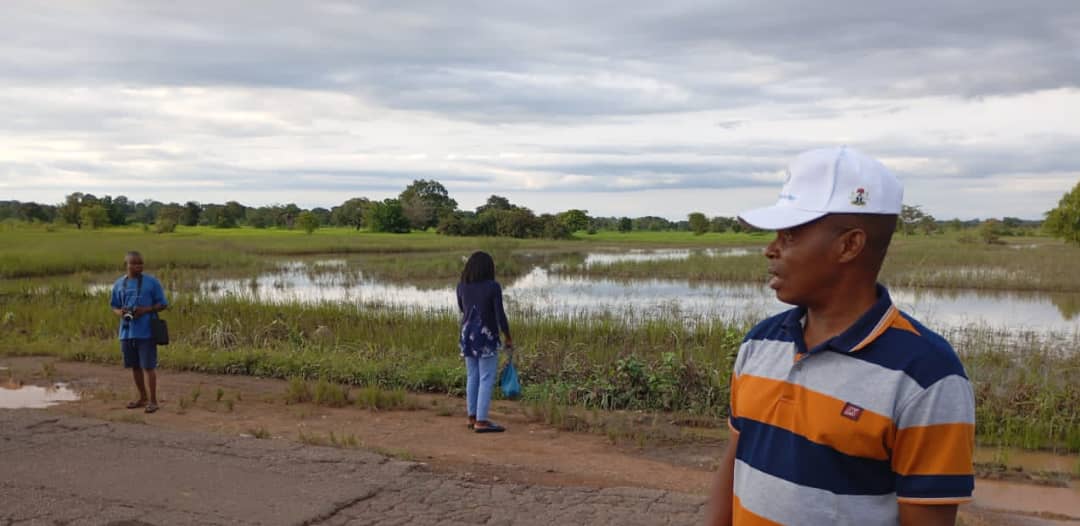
[[879, 329], [741, 516], [902, 323], [940, 449], [814, 416]]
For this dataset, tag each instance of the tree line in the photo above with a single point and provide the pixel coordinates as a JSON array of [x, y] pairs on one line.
[[425, 204], [422, 205]]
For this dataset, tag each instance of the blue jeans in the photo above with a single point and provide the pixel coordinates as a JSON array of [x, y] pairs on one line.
[[480, 383]]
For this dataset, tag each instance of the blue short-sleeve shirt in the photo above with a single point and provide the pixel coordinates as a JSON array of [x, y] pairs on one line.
[[126, 293]]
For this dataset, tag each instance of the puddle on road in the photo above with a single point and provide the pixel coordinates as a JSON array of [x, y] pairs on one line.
[[15, 396]]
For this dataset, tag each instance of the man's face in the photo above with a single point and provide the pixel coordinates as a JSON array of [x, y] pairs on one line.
[[134, 265], [801, 262]]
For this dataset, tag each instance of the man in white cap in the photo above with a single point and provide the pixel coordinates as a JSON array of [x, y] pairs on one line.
[[844, 410]]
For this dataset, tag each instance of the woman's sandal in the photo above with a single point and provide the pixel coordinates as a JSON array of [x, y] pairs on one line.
[[136, 404], [491, 427], [151, 408]]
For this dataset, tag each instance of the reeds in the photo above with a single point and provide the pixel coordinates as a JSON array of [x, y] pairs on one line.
[[1027, 393]]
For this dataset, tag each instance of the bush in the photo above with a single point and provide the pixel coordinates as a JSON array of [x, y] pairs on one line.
[[165, 226]]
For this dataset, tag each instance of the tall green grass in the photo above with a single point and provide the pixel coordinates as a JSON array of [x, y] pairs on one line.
[[1027, 396]]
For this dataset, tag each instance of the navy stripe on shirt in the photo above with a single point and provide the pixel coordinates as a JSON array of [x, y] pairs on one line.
[[800, 461]]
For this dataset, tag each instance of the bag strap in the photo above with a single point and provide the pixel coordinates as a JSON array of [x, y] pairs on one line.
[[138, 292]]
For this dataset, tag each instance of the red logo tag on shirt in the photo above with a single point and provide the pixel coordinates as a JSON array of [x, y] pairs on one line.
[[851, 411]]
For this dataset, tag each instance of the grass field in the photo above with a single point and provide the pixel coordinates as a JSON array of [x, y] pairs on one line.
[[1027, 263], [1027, 396]]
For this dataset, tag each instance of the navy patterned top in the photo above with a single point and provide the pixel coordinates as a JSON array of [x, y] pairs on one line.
[[482, 318]]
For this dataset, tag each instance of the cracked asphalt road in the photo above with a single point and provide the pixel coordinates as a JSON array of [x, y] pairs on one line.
[[67, 470]]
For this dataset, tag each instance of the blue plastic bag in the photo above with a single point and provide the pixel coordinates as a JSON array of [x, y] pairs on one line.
[[508, 380]]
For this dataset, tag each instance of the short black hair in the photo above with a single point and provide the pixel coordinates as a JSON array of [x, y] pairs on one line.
[[879, 230], [132, 254], [479, 267]]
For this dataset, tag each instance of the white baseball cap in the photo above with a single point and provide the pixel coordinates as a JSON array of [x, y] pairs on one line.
[[830, 181]]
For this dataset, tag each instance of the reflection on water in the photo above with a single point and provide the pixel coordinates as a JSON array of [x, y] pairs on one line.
[[1051, 317], [942, 310], [604, 258], [15, 396]]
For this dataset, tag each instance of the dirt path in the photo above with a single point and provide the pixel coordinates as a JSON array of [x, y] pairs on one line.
[[530, 455]]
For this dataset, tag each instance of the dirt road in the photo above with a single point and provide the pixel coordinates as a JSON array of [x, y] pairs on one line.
[[197, 461], [61, 469]]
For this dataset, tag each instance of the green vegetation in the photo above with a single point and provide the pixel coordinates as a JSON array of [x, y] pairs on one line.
[[1064, 221], [1027, 396], [1027, 392]]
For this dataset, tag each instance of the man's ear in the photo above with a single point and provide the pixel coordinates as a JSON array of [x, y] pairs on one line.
[[852, 244]]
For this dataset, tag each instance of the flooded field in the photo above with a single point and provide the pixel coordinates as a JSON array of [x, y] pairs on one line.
[[542, 288]]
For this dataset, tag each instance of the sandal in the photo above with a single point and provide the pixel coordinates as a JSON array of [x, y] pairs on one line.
[[151, 408], [136, 404], [491, 427]]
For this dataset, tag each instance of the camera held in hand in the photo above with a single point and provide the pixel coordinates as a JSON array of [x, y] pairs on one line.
[[129, 314]]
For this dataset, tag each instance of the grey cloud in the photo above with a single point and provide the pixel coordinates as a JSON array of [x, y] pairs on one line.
[[520, 60]]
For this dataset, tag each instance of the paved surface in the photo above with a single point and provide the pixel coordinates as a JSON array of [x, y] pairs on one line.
[[73, 471]]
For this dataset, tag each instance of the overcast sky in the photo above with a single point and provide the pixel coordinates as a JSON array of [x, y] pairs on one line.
[[618, 107]]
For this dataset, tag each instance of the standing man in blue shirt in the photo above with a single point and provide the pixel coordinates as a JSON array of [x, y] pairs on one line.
[[136, 299]]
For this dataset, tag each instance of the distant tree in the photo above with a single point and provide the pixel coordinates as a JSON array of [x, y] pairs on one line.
[[217, 217], [285, 216], [387, 216], [71, 209], [147, 210], [192, 211], [322, 214], [94, 217], [31, 212], [652, 224], [574, 220], [235, 212], [990, 231], [956, 225], [308, 221], [928, 225], [486, 223], [1064, 221], [119, 209], [350, 213], [552, 227], [456, 224], [171, 211], [495, 202], [910, 217], [720, 224], [626, 224], [261, 217], [424, 202], [699, 224]]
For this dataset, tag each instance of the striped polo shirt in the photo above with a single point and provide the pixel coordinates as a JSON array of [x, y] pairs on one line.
[[841, 433]]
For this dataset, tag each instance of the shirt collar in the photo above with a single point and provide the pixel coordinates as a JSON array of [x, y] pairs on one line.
[[872, 324]]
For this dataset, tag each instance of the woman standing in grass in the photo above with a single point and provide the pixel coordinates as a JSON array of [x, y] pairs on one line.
[[479, 299]]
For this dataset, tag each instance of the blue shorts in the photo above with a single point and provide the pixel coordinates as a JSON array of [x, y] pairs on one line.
[[139, 353]]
